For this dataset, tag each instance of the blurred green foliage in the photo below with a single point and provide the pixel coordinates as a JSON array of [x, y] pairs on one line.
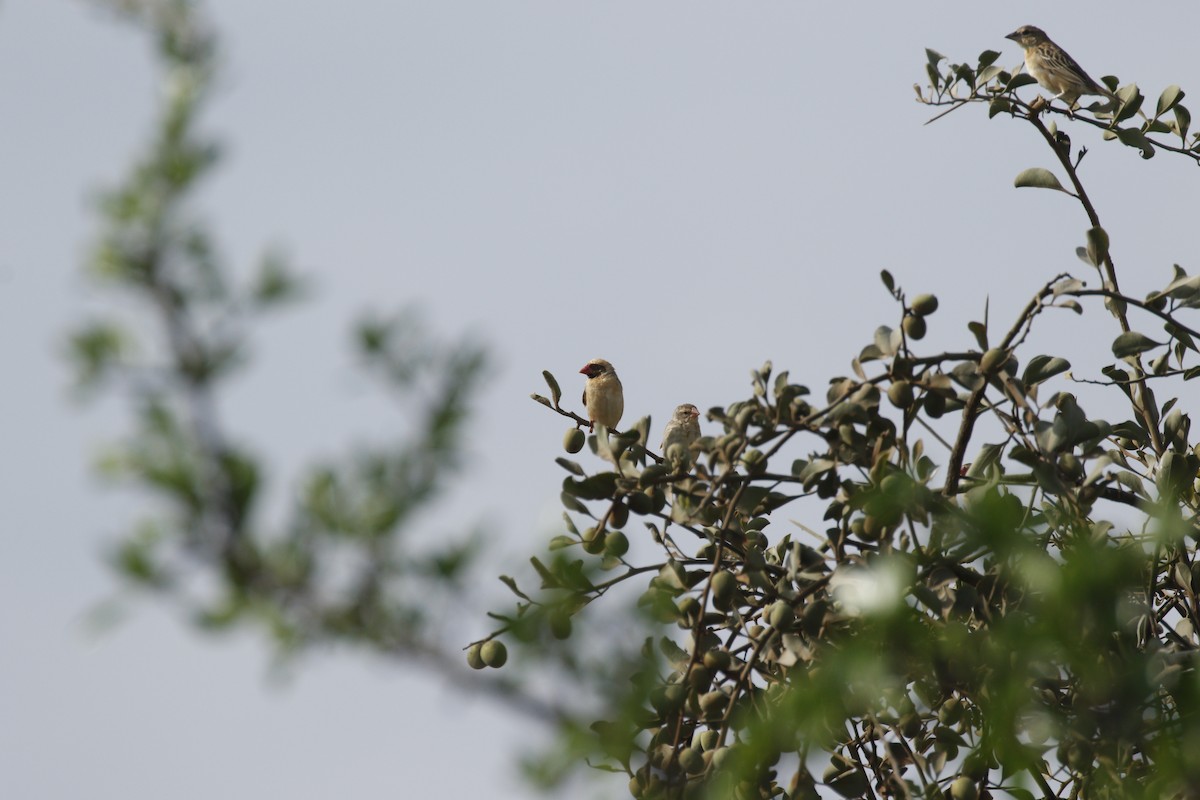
[[340, 566]]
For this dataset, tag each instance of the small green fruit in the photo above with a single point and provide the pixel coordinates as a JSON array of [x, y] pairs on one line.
[[901, 394], [573, 440], [924, 304], [691, 760], [950, 712], [689, 607], [914, 327], [616, 544], [639, 502], [560, 625], [873, 528], [724, 585], [699, 677], [474, 659], [992, 360], [717, 659], [494, 653], [963, 788], [619, 515], [780, 614]]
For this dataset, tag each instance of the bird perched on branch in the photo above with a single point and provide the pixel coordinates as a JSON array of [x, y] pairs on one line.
[[1053, 69], [603, 395], [682, 429]]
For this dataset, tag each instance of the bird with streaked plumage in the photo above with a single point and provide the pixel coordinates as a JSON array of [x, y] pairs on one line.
[[1054, 69], [603, 395], [682, 429]]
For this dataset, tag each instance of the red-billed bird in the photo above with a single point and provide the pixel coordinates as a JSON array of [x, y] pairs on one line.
[[602, 394]]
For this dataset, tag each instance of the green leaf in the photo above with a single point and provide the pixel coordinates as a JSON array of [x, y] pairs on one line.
[[1183, 287], [987, 74], [1038, 178], [1167, 100], [987, 58], [980, 331], [1042, 368], [1135, 138], [512, 584], [570, 466], [933, 57], [885, 340], [887, 279], [1176, 427], [1131, 343], [1183, 121], [1019, 80], [548, 579], [988, 456], [1097, 246], [1132, 482], [1131, 102], [555, 392]]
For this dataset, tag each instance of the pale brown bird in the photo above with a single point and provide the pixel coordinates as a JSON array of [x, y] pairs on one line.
[[682, 429], [603, 395], [1056, 71]]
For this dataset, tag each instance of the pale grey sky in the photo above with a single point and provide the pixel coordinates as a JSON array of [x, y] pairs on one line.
[[684, 188]]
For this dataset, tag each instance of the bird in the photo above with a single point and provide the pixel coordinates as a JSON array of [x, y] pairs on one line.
[[682, 429], [603, 395], [1053, 69]]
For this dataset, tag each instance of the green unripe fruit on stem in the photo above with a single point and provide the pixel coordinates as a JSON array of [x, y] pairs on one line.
[[873, 528], [619, 515], [901, 394], [780, 615], [560, 624], [616, 544], [717, 659], [573, 440], [963, 788], [992, 360], [691, 760], [914, 327], [724, 585], [924, 304], [950, 712], [474, 659], [494, 654], [639, 503]]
